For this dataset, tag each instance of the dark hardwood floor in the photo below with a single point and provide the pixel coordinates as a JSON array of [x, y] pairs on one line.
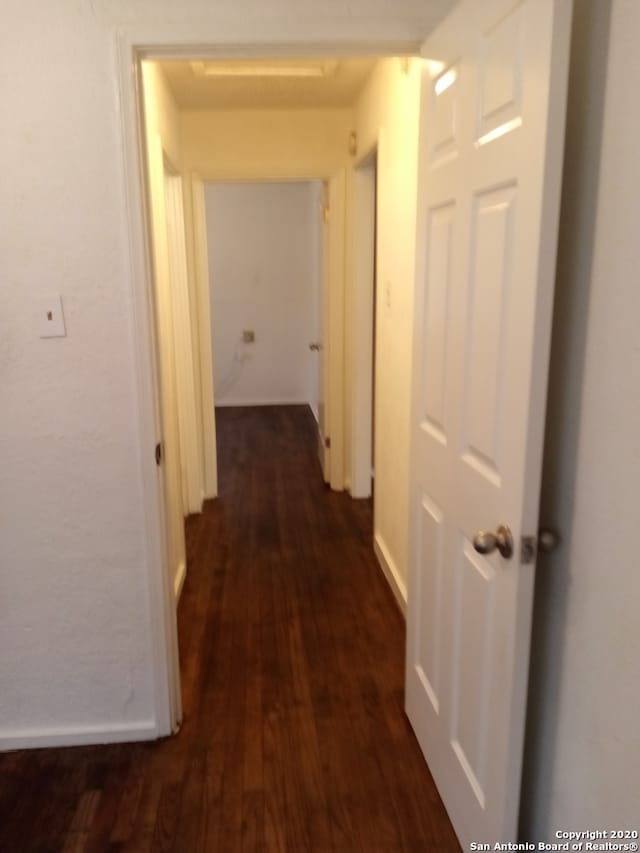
[[294, 736]]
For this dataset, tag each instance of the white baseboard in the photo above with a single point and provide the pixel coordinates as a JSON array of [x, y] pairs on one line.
[[179, 579], [252, 401], [80, 736], [388, 566]]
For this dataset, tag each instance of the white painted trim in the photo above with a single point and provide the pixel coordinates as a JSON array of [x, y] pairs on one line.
[[391, 573], [169, 472], [261, 401], [178, 583], [333, 305], [201, 41], [80, 736], [160, 602]]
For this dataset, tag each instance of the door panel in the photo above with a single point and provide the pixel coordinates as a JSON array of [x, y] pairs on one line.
[[492, 125], [472, 685], [490, 289], [436, 318], [500, 67], [429, 591]]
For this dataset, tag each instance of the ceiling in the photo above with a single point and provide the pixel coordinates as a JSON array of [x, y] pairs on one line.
[[267, 84]]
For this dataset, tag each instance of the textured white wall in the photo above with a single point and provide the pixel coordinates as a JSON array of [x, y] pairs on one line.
[[582, 767], [264, 270], [74, 620]]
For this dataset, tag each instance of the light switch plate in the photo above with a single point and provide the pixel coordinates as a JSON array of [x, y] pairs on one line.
[[50, 317]]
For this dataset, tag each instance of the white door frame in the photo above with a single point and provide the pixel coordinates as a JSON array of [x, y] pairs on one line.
[[334, 339], [362, 319], [158, 42]]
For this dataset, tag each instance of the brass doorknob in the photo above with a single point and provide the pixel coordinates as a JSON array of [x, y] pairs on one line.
[[486, 542]]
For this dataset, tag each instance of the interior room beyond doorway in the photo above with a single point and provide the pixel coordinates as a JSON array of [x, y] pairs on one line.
[[265, 278], [269, 129]]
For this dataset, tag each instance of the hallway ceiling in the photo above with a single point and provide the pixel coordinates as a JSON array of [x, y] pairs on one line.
[[267, 84]]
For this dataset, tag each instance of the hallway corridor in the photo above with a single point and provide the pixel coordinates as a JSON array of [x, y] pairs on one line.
[[291, 645]]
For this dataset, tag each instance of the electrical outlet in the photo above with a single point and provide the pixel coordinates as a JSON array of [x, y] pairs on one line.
[[248, 336]]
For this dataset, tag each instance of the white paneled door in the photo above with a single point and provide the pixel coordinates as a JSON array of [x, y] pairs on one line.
[[491, 142]]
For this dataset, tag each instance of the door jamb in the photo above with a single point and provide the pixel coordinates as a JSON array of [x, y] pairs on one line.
[[161, 596]]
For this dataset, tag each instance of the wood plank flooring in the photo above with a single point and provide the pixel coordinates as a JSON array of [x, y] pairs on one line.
[[294, 737]]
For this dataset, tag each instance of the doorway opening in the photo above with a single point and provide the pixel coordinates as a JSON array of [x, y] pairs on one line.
[[261, 128], [264, 242]]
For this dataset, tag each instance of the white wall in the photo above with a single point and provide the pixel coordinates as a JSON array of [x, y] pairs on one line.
[[258, 144], [264, 268], [387, 114], [583, 753], [74, 616]]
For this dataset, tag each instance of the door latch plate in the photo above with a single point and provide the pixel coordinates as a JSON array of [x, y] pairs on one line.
[[528, 548]]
